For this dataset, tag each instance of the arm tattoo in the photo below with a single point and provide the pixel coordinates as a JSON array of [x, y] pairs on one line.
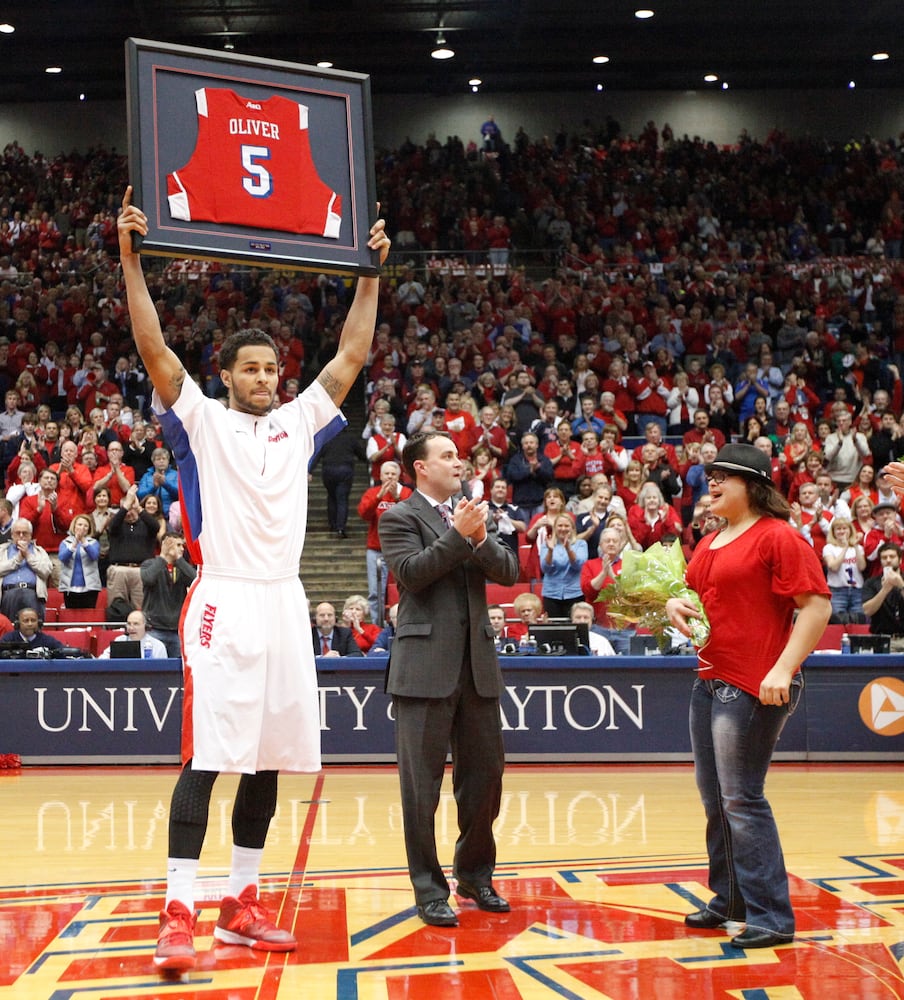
[[177, 380], [329, 382]]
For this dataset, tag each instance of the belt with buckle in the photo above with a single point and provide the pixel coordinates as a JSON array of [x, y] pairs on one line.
[[18, 586]]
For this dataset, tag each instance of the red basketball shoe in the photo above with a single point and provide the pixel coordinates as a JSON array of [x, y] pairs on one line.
[[175, 939], [246, 921]]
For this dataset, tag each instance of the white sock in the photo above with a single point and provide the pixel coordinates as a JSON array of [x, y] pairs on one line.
[[180, 881], [246, 866]]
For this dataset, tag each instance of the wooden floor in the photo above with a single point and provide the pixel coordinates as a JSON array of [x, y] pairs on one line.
[[600, 863]]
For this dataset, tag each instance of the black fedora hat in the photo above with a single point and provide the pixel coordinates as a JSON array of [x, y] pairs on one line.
[[742, 460]]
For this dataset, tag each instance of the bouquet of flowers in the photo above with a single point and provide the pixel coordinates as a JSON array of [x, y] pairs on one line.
[[647, 580]]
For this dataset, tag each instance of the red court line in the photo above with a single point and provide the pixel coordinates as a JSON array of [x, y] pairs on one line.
[[269, 987]]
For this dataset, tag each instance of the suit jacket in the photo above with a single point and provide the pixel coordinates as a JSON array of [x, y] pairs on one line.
[[442, 601], [343, 642]]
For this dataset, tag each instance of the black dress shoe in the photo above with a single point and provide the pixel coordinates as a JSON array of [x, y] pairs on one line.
[[752, 938], [485, 896], [438, 913], [706, 920]]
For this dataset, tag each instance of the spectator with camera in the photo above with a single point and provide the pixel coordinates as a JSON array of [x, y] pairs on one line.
[[883, 597]]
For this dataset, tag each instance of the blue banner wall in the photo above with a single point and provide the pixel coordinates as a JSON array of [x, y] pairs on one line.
[[553, 709]]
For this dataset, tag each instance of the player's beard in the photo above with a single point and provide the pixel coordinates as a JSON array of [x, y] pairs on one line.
[[248, 403]]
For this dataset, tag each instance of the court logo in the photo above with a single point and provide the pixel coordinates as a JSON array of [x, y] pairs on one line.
[[882, 706]]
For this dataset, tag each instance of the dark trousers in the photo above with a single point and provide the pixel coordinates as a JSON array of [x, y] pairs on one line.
[[337, 479], [81, 599], [426, 728]]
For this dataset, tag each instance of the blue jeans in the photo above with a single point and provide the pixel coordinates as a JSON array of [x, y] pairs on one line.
[[376, 594], [847, 604], [733, 736]]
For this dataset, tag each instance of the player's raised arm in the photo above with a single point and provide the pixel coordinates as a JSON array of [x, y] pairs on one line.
[[339, 374], [163, 367]]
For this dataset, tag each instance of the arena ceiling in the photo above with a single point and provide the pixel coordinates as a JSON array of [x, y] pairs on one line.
[[511, 45]]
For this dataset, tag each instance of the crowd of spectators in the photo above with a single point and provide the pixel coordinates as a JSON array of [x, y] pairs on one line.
[[585, 312]]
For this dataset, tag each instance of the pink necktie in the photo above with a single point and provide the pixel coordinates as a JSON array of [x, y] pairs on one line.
[[445, 514]]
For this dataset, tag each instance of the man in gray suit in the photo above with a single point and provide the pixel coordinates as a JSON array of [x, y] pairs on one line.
[[443, 673]]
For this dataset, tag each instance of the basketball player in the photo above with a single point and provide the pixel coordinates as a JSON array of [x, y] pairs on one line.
[[250, 702]]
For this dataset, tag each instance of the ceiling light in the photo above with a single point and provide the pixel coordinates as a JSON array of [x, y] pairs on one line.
[[442, 51], [710, 78], [599, 60], [324, 64], [6, 29], [54, 69], [725, 86], [880, 56], [599, 86], [475, 82], [852, 85], [643, 14]]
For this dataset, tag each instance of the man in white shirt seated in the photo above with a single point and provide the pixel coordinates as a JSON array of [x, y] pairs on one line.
[[582, 613], [136, 631]]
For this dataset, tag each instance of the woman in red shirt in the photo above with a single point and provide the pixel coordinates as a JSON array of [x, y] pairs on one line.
[[752, 576]]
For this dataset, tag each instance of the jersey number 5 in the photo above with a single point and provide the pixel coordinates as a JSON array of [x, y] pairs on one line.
[[260, 183]]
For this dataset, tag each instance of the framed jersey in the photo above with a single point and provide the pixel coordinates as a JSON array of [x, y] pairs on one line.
[[245, 159]]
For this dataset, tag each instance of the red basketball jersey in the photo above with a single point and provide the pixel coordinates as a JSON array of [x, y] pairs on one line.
[[252, 166]]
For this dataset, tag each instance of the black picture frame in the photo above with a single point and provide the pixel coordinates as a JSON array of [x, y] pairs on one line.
[[171, 88]]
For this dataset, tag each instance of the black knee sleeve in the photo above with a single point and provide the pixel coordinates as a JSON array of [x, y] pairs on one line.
[[255, 804], [188, 812]]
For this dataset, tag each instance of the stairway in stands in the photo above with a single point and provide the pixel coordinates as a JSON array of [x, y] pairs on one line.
[[333, 568]]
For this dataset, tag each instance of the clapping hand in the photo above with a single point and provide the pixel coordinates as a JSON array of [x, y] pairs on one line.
[[469, 519]]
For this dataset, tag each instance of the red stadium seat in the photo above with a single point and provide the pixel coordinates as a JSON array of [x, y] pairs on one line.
[[82, 614], [498, 593]]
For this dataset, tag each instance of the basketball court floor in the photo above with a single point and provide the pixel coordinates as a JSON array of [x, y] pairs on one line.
[[600, 863]]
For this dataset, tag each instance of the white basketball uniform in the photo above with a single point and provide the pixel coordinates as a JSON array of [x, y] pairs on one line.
[[250, 701]]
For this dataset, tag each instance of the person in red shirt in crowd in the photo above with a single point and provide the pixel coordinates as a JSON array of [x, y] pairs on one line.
[[798, 445], [354, 611], [372, 506], [809, 517], [115, 477], [458, 424], [650, 397], [114, 428], [812, 466], [886, 528], [631, 481], [651, 517], [596, 575], [19, 350], [529, 609], [653, 435], [291, 353], [490, 435], [49, 519], [75, 486], [384, 445], [595, 460], [566, 458], [616, 457], [701, 431], [610, 415], [802, 400], [696, 333], [96, 390], [616, 382]]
